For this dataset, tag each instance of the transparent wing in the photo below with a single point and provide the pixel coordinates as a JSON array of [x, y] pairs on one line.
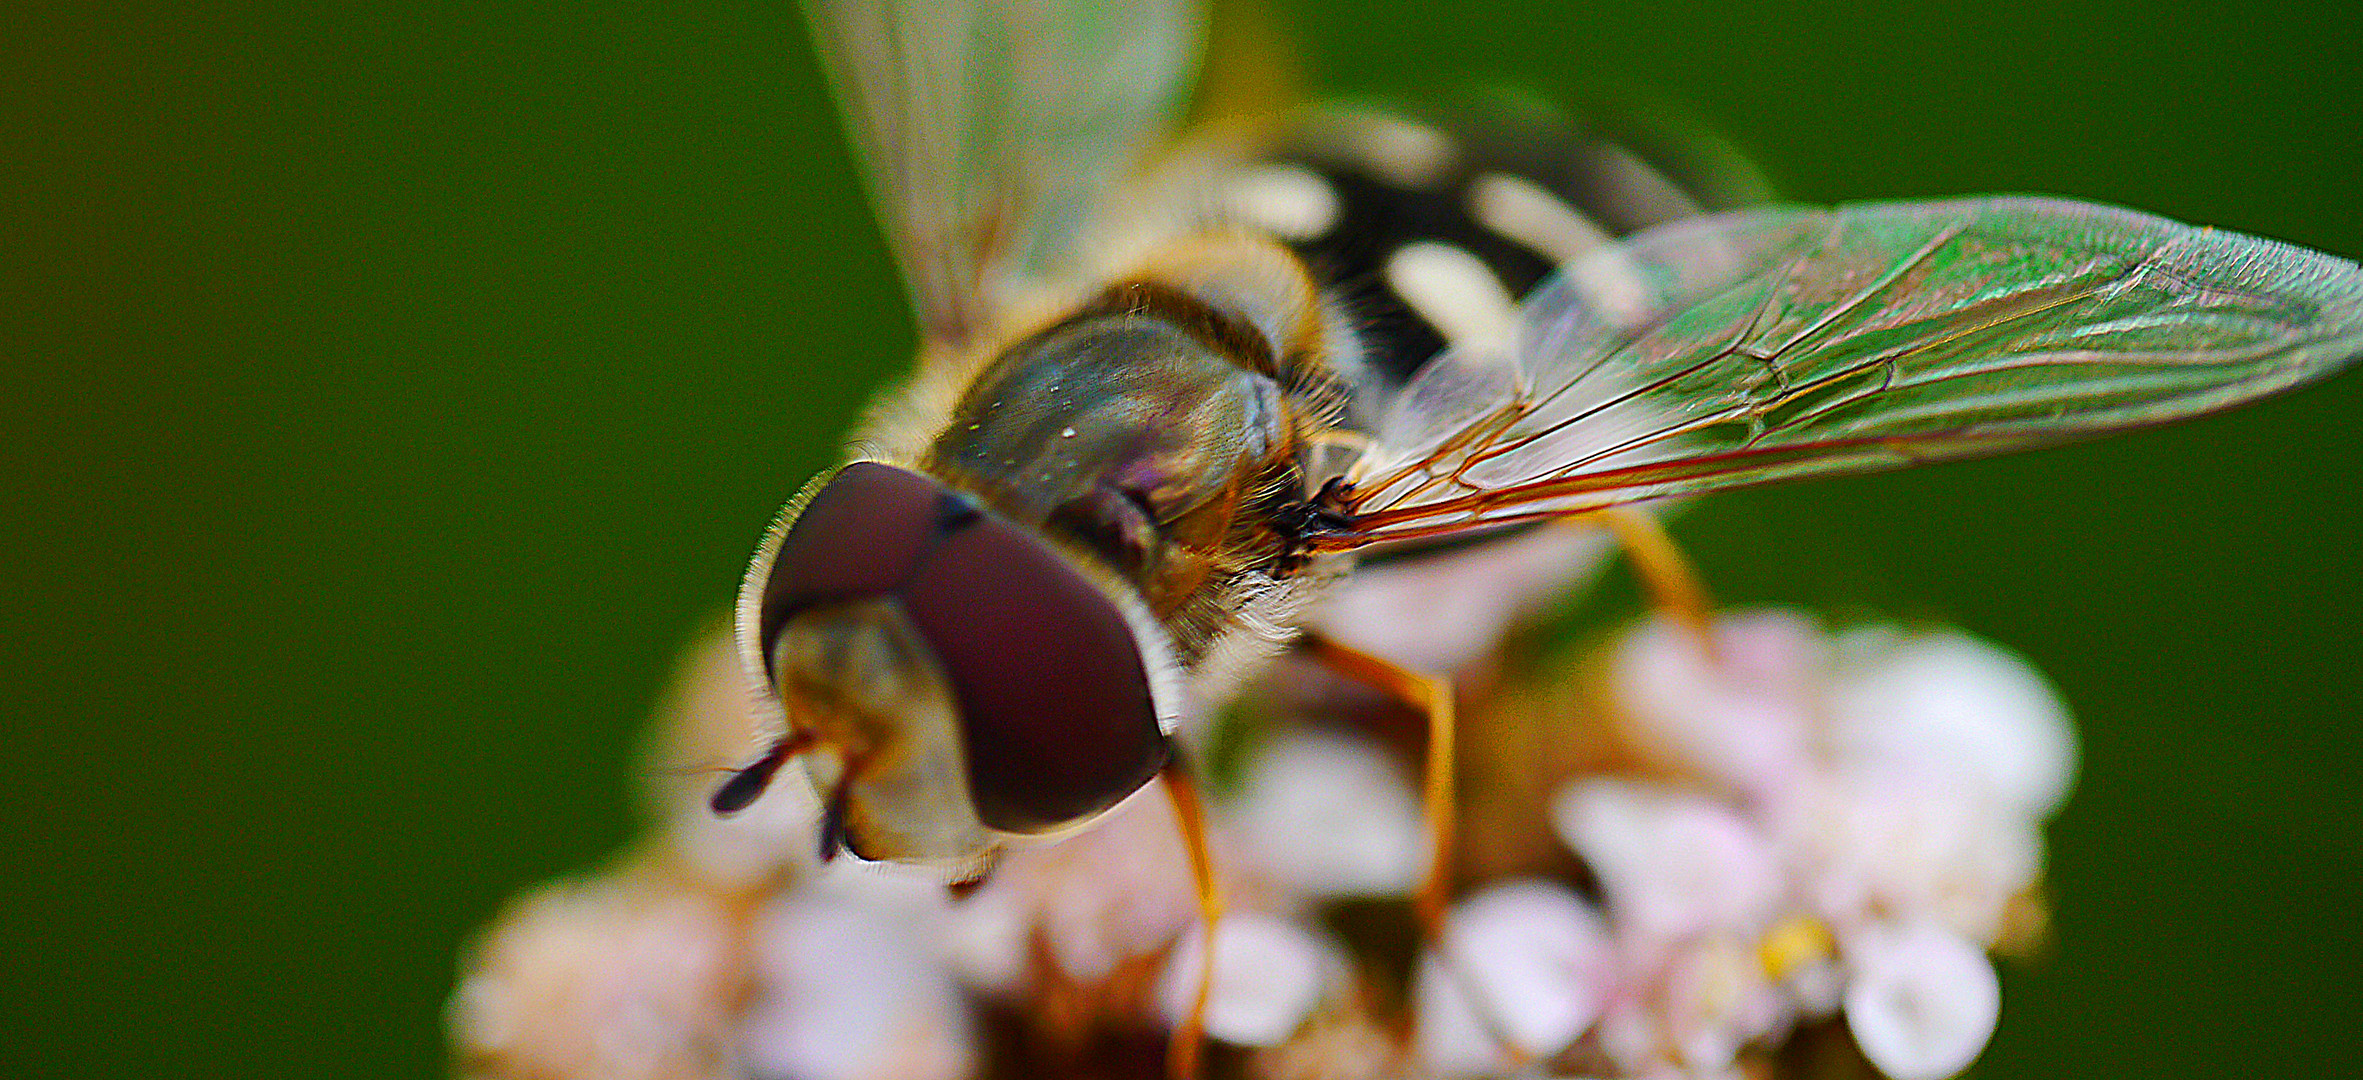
[[1794, 341], [989, 129]]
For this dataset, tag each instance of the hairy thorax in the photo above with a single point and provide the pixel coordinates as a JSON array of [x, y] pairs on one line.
[[1160, 430]]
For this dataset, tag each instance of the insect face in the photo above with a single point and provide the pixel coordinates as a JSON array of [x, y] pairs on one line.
[[957, 679]]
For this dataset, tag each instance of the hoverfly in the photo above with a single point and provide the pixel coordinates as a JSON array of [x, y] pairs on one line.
[[1169, 388]]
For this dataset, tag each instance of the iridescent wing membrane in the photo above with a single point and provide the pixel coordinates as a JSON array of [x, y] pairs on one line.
[[989, 131], [1792, 341]]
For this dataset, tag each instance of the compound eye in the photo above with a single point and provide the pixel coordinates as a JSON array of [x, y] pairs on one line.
[[860, 536], [1054, 696]]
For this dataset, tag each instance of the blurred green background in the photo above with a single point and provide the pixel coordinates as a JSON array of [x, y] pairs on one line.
[[391, 390]]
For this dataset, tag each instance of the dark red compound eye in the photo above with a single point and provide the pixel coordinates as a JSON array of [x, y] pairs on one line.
[[861, 536], [1053, 698], [1055, 707]]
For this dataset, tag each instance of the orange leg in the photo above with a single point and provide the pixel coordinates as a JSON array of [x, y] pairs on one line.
[[1182, 1054], [1432, 696], [1664, 571]]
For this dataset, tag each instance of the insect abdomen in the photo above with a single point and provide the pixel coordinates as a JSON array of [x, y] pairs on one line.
[[1426, 224]]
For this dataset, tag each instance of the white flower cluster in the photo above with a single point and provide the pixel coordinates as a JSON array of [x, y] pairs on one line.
[[1819, 825], [618, 978], [1803, 826]]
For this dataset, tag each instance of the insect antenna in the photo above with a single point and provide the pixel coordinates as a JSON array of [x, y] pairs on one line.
[[749, 782], [832, 818]]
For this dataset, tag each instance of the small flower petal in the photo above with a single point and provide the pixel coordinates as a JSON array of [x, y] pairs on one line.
[[1741, 719], [853, 988], [1922, 1000], [1671, 862], [1540, 959], [1717, 999], [608, 979], [1948, 707], [1331, 816], [1269, 973], [1952, 857]]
